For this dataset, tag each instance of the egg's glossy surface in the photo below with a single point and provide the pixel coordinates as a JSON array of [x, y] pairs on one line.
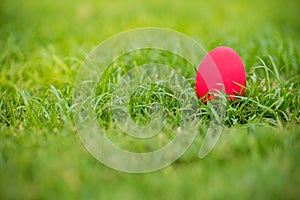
[[222, 68]]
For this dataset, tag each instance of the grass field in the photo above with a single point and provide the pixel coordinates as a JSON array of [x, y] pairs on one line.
[[42, 46]]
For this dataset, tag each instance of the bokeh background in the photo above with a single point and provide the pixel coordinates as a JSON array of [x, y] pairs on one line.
[[70, 29]]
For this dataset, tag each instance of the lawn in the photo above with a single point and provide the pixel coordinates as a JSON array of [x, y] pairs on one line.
[[42, 47]]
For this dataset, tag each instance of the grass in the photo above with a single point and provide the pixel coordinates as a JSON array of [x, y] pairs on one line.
[[42, 46]]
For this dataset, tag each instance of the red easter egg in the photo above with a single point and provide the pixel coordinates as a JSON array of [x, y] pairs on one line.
[[222, 68]]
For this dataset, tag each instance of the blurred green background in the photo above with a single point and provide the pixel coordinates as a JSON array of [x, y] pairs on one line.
[[43, 43], [32, 33]]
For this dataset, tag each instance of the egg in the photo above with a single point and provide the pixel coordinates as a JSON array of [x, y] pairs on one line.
[[221, 69]]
